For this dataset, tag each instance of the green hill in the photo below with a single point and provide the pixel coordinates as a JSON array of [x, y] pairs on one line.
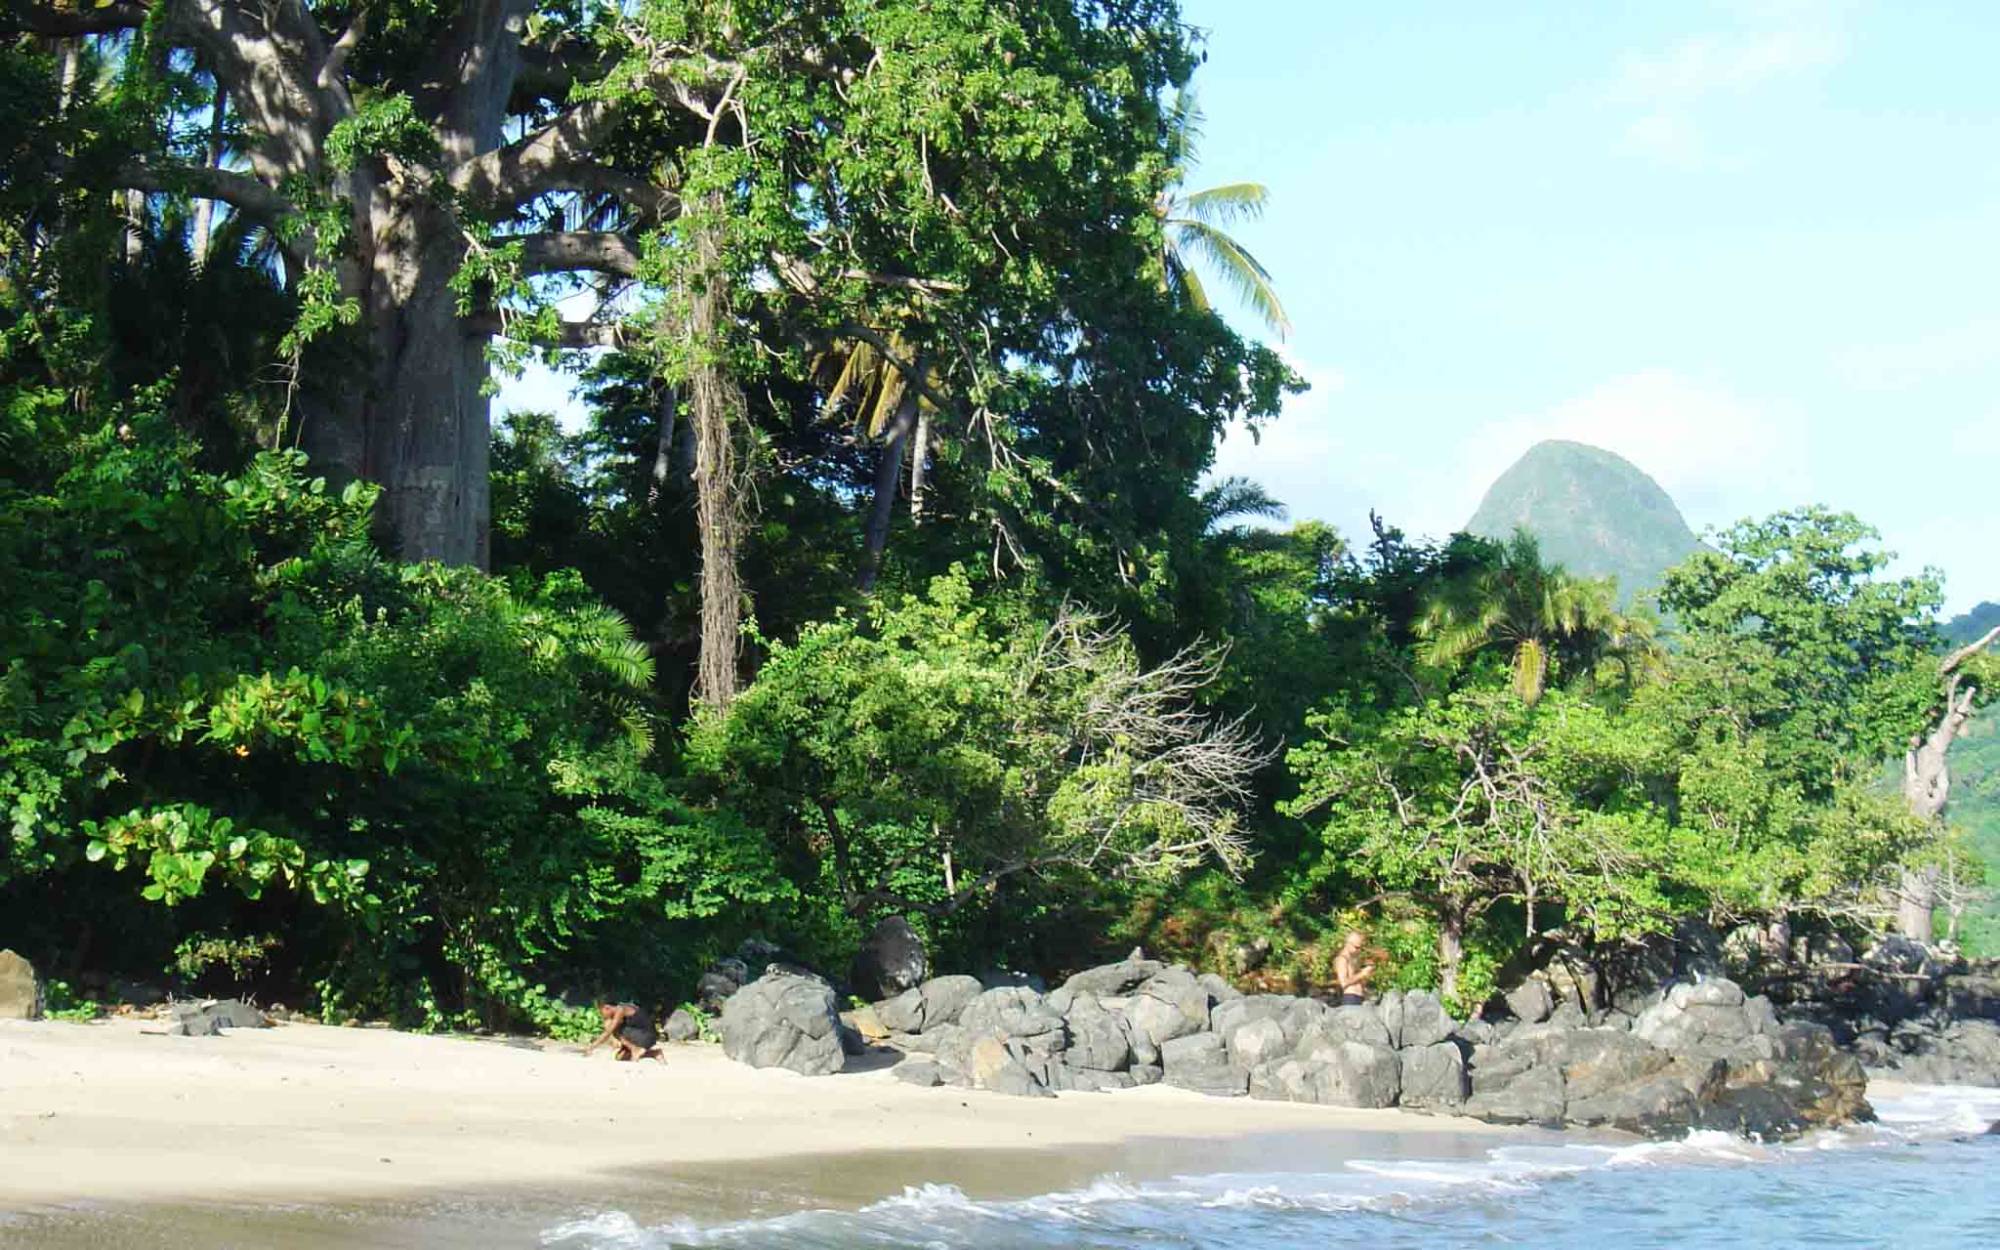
[[1974, 624], [1596, 514]]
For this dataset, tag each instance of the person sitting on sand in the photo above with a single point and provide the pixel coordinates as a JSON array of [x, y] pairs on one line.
[[628, 1030], [1350, 980]]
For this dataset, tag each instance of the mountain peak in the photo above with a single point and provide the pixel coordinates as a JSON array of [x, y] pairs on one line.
[[1596, 513]]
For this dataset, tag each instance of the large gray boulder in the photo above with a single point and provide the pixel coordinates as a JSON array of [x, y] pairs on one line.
[[784, 1020], [1434, 1076], [1172, 1003], [1531, 1001], [1333, 1074], [1015, 1013], [936, 1002], [1114, 980], [20, 989], [1973, 996], [1201, 1063], [1361, 1023], [891, 960], [1509, 1087], [1967, 1052], [1097, 1038], [992, 1063], [1425, 1022]]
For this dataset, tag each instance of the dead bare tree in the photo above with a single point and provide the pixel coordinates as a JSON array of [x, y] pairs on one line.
[[1927, 781]]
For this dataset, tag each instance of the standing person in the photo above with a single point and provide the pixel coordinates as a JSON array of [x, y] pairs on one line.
[[1350, 980]]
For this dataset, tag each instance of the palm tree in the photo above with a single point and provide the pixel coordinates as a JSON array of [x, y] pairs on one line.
[[1537, 614], [1193, 229]]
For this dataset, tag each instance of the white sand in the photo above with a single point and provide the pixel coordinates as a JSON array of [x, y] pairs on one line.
[[107, 1112]]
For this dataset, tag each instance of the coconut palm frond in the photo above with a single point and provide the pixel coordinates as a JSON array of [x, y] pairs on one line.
[[1234, 263], [1225, 205]]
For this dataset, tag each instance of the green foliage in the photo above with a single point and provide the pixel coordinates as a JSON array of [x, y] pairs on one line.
[[61, 1002], [946, 755], [442, 780]]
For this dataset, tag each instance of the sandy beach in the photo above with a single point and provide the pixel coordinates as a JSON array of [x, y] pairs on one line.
[[110, 1113]]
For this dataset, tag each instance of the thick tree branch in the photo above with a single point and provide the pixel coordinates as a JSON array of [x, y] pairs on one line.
[[209, 183], [600, 251], [1955, 659], [572, 334], [535, 163]]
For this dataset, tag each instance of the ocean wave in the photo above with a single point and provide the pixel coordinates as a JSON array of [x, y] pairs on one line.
[[1118, 1210]]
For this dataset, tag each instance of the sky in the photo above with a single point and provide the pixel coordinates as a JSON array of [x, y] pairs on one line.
[[1754, 247], [1748, 244]]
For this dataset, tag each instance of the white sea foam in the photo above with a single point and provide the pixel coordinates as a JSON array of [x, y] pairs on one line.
[[944, 1215]]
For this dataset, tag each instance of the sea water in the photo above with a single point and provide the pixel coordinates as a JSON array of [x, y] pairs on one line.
[[1928, 1174]]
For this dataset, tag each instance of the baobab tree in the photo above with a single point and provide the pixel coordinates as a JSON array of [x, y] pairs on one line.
[[1927, 776]]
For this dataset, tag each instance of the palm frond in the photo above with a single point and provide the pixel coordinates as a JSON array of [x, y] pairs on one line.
[[1225, 205], [1236, 266]]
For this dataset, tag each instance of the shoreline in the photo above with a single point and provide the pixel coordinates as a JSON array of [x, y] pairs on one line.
[[105, 1114]]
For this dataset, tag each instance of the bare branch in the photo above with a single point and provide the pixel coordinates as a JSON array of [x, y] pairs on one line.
[[600, 251], [1951, 662]]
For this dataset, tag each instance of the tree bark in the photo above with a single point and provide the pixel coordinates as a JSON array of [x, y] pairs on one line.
[[1927, 786], [919, 464], [1451, 952], [204, 210], [888, 478], [716, 413]]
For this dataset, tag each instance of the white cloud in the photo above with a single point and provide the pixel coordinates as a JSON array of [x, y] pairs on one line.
[[1674, 89]]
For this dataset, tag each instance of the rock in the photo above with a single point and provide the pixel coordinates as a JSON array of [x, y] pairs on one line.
[[867, 1023], [1360, 1023], [937, 1001], [1015, 1012], [1087, 1080], [1170, 1004], [783, 1020], [922, 1073], [1504, 1093], [1967, 1052], [20, 988], [851, 1040], [1112, 980], [1002, 979], [1530, 1001], [1334, 1074], [1698, 950], [891, 960], [991, 1065], [1417, 1018], [682, 1026], [1258, 1041], [1434, 1076], [1219, 990], [723, 978], [209, 1019], [1201, 1063], [1097, 1038], [1146, 1073], [1973, 996]]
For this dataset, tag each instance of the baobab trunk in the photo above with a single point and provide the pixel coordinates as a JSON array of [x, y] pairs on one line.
[[1927, 785], [415, 419]]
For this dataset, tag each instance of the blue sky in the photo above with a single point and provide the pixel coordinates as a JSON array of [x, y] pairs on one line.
[[1749, 245]]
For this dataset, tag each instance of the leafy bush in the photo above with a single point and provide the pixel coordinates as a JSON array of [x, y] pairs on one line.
[[438, 784]]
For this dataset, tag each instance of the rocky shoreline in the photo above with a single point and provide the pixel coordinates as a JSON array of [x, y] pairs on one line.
[[1698, 1055]]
